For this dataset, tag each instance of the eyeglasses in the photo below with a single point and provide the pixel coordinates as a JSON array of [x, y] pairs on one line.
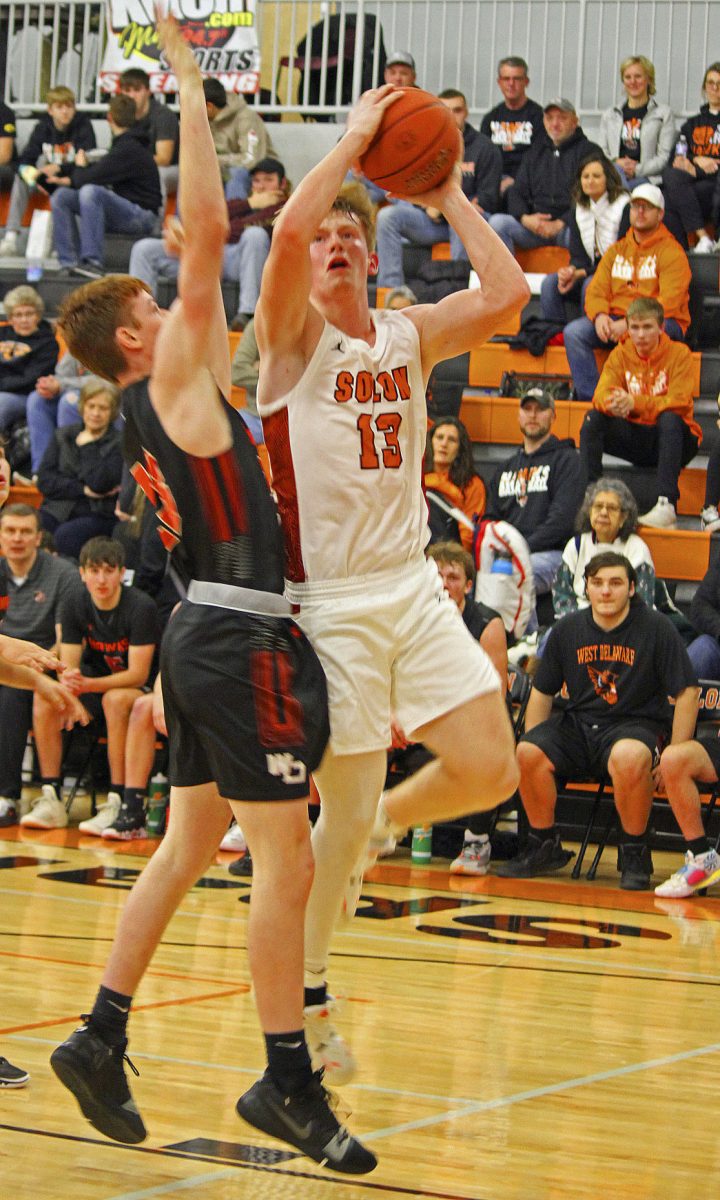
[[601, 507], [713, 83]]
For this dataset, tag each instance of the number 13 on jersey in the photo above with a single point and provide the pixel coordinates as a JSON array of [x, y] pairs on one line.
[[387, 424]]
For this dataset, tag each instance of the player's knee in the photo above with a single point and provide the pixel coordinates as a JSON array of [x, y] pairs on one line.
[[676, 763], [629, 763], [531, 759]]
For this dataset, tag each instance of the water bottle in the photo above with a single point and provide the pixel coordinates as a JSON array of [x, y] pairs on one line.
[[681, 147], [158, 805], [421, 851], [501, 564], [34, 270]]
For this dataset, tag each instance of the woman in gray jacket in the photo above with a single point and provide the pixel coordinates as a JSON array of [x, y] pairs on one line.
[[638, 135]]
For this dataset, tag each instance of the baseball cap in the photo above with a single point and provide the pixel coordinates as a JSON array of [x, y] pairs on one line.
[[541, 397], [272, 166], [400, 56], [561, 103], [649, 192], [215, 92]]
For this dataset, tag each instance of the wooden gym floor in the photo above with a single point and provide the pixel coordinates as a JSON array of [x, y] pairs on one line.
[[517, 1040]]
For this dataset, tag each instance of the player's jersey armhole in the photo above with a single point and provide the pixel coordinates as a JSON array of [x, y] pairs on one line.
[[305, 380]]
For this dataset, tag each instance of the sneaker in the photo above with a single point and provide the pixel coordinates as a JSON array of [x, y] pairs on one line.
[[9, 245], [8, 812], [10, 1076], [88, 270], [661, 516], [474, 858], [307, 1122], [241, 866], [635, 865], [383, 839], [128, 825], [47, 812], [540, 858], [328, 1050], [94, 1073], [234, 839], [105, 816], [704, 245], [239, 322], [710, 519], [693, 874]]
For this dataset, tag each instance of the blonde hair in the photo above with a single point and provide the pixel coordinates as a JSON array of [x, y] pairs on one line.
[[24, 294], [354, 200], [60, 95], [641, 61], [99, 387]]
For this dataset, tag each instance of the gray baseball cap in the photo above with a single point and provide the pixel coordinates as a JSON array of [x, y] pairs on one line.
[[540, 397], [400, 56], [561, 103]]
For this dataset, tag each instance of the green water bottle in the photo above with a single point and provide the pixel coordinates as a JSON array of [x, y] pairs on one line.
[[157, 805], [421, 851]]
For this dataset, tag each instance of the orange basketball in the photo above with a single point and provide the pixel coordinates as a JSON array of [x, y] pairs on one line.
[[416, 146]]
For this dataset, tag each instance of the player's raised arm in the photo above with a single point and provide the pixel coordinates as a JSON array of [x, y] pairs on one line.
[[282, 310]]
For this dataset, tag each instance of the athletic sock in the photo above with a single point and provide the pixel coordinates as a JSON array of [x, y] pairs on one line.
[[133, 798], [109, 1016], [699, 845], [543, 835], [632, 839], [289, 1061], [315, 995], [54, 781]]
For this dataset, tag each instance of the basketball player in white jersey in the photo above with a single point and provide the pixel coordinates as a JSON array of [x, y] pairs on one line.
[[342, 397]]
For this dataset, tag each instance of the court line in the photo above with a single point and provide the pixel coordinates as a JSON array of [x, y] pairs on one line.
[[71, 1020], [76, 962]]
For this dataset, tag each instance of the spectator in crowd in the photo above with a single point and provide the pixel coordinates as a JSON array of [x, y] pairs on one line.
[[643, 408], [61, 137], [481, 170], [515, 123], [607, 520], [400, 69], [28, 350], [118, 194], [450, 476], [52, 405], [683, 766], [457, 572], [157, 123], [638, 135], [245, 370], [619, 661], [80, 473], [599, 215], [399, 298], [108, 643], [33, 587], [8, 151], [691, 183], [540, 487], [646, 262], [240, 136], [704, 617], [248, 243], [539, 203]]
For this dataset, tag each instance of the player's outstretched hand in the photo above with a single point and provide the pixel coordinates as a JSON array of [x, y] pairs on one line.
[[176, 50], [27, 654], [173, 237], [437, 197], [366, 117], [63, 701]]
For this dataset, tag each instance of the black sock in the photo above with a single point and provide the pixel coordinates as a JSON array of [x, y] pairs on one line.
[[109, 1016], [543, 835], [133, 798], [699, 845], [632, 839], [314, 996], [289, 1061], [54, 781]]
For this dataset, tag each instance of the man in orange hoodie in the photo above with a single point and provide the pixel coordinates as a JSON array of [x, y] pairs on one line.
[[643, 408], [646, 262]]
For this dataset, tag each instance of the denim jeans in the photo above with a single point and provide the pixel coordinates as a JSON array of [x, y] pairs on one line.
[[554, 302], [404, 222], [238, 184], [12, 407], [99, 211], [704, 655], [45, 416], [580, 342], [513, 233], [243, 263]]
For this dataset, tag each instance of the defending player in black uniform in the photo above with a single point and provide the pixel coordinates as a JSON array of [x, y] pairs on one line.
[[245, 699]]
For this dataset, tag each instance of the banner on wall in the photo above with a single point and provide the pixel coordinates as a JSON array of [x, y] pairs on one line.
[[222, 33]]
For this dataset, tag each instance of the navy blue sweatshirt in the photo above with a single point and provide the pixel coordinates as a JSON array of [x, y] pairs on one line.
[[128, 168]]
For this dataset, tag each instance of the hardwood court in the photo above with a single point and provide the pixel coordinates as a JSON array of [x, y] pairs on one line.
[[517, 1040]]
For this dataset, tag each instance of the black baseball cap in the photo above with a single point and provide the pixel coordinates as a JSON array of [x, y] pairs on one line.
[[542, 398]]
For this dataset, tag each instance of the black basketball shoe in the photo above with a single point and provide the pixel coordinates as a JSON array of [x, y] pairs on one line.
[[307, 1122], [94, 1073]]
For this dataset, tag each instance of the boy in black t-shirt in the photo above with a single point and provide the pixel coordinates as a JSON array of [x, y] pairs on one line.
[[108, 643], [618, 661]]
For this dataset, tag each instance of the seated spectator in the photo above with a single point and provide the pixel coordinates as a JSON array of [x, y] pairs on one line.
[[240, 136], [399, 298], [515, 123], [33, 587], [607, 520], [245, 370], [704, 617], [118, 194], [683, 766], [248, 243], [157, 123], [539, 203], [599, 215], [619, 661], [53, 404], [638, 134], [692, 183], [80, 474], [646, 262], [8, 150], [481, 169], [61, 137], [400, 71], [28, 350], [108, 642], [457, 572], [539, 488], [643, 408], [450, 474]]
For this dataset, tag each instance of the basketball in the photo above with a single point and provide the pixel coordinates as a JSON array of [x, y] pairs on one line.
[[416, 146]]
